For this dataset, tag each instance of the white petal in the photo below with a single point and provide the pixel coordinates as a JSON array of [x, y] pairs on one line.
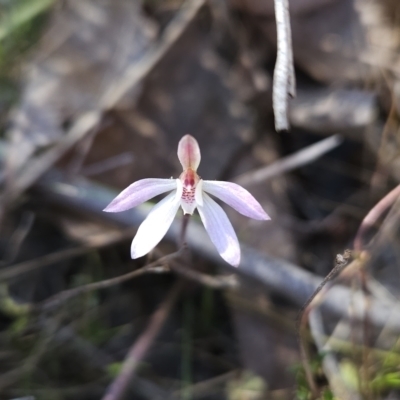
[[220, 230], [139, 192], [179, 189], [155, 226], [236, 197], [198, 195]]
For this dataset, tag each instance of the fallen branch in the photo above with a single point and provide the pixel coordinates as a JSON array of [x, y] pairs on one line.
[[277, 275]]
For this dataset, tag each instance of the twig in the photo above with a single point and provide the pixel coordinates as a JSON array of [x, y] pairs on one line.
[[80, 153], [18, 237], [138, 71], [214, 282], [158, 266], [141, 346], [40, 262], [108, 164], [340, 264], [302, 318], [374, 214], [202, 389], [284, 77], [302, 157]]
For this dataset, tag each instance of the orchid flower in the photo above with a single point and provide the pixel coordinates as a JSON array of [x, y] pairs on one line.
[[189, 192]]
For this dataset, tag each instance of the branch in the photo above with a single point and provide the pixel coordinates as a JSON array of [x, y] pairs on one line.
[[277, 275]]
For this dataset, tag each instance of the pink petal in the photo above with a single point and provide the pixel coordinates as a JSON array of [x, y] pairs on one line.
[[155, 226], [236, 197], [189, 152], [139, 192], [220, 230]]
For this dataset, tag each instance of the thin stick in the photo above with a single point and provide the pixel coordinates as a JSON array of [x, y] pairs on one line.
[[138, 71], [299, 158], [158, 266], [213, 282], [18, 237], [27, 266], [374, 214], [284, 78], [302, 318], [141, 346], [108, 164]]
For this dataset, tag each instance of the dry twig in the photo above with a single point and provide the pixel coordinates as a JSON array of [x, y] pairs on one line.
[[158, 266], [141, 346], [311, 303], [18, 237], [28, 266], [296, 160], [138, 71]]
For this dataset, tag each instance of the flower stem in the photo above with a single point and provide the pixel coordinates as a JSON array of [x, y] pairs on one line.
[[182, 237]]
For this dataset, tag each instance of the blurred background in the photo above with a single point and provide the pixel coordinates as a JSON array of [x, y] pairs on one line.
[[95, 94]]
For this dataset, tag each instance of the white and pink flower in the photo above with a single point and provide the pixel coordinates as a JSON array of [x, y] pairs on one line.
[[189, 192]]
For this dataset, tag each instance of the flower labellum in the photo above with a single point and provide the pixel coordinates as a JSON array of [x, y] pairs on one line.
[[189, 192]]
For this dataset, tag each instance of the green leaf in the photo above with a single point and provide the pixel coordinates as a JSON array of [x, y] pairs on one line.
[[114, 369], [349, 374], [20, 13]]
